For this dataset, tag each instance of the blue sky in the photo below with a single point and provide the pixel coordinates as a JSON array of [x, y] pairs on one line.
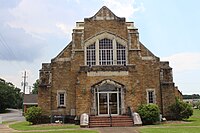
[[35, 31]]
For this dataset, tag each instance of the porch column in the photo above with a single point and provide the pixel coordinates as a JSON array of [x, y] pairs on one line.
[[123, 110]]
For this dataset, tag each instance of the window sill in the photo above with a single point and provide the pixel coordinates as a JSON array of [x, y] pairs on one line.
[[61, 107]]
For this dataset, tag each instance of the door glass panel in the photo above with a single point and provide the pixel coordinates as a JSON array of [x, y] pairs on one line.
[[113, 103], [103, 103]]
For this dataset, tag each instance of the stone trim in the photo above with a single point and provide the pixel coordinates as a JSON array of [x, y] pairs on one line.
[[108, 73], [148, 58], [58, 98], [62, 59], [105, 34], [79, 50], [134, 49], [105, 14], [107, 68], [30, 103]]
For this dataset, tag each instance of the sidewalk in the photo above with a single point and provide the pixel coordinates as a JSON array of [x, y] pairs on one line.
[[5, 129], [117, 129]]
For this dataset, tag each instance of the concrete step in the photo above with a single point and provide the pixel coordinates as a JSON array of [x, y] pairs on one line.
[[117, 121]]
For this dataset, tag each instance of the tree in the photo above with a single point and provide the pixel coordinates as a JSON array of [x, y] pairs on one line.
[[10, 96], [149, 113], [35, 87], [193, 96], [181, 110]]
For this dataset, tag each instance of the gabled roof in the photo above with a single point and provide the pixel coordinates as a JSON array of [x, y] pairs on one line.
[[30, 99], [106, 14], [61, 53]]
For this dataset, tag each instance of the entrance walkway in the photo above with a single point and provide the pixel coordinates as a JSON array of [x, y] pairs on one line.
[[5, 129], [117, 129]]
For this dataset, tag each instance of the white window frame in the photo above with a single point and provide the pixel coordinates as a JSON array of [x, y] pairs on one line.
[[58, 98], [91, 53], [121, 54], [106, 52], [154, 96], [114, 39]]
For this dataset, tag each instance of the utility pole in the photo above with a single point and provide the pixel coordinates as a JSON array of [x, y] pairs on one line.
[[24, 84]]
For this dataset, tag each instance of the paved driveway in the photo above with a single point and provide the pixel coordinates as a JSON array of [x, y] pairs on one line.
[[13, 115]]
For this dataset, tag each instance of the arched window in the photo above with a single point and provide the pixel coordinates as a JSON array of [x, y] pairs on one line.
[[106, 52]]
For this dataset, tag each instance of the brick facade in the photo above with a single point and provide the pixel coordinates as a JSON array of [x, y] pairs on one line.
[[69, 73]]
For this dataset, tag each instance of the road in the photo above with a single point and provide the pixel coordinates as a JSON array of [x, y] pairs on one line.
[[13, 115]]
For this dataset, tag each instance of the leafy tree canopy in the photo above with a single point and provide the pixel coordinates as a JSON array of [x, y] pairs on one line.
[[193, 96], [181, 110], [35, 87], [10, 96]]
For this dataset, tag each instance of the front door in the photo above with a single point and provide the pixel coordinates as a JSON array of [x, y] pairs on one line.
[[108, 103]]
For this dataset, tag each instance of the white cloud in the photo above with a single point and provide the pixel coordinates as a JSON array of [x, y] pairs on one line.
[[184, 61], [78, 1], [64, 28], [39, 17], [30, 16], [123, 8]]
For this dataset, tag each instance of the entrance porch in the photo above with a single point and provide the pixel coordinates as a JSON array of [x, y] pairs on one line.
[[108, 98]]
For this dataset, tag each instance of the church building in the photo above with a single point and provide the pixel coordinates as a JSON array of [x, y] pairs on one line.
[[105, 70]]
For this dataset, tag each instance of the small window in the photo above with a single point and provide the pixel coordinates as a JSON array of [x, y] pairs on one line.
[[150, 96], [61, 99]]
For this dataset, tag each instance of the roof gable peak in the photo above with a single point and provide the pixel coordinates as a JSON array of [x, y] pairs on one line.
[[106, 14]]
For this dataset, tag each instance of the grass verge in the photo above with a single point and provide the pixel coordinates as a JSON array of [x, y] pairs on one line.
[[170, 130], [192, 125], [7, 122], [69, 131], [27, 126]]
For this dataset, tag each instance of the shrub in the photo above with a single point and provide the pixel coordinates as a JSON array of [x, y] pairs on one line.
[[181, 110], [34, 115], [149, 113], [196, 105]]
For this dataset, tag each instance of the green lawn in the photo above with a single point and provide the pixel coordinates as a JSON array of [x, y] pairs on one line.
[[171, 130], [69, 131], [70, 128], [7, 122], [27, 126], [192, 125], [194, 120]]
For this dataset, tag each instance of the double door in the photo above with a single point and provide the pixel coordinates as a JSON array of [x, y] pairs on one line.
[[108, 103]]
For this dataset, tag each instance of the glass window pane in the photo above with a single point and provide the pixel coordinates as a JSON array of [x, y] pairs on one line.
[[105, 52], [61, 99], [91, 55], [121, 54]]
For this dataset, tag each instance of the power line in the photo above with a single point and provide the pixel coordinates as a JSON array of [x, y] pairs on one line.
[[9, 50], [5, 44]]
